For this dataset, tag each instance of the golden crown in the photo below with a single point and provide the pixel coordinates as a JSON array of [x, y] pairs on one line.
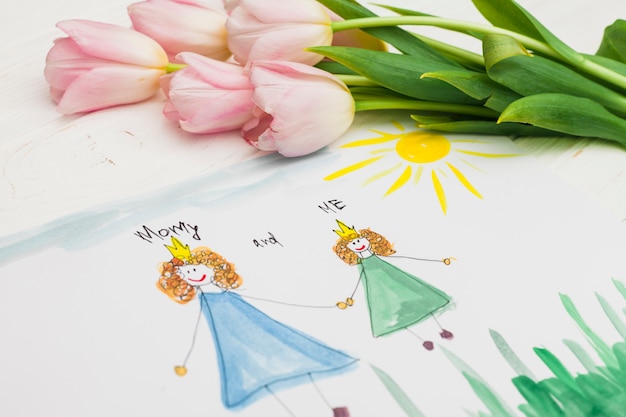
[[179, 251], [345, 232]]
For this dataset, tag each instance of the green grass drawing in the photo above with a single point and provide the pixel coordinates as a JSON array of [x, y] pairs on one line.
[[598, 392]]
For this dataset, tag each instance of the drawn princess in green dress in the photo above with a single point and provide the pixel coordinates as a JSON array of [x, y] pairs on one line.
[[395, 299]]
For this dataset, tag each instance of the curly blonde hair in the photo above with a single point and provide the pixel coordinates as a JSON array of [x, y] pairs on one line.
[[179, 290], [378, 243]]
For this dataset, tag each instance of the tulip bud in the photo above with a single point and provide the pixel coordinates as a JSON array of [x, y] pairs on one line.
[[208, 96], [299, 108], [182, 26], [277, 30], [100, 65]]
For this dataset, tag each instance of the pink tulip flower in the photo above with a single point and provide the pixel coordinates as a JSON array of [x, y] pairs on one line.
[[183, 26], [300, 109], [101, 65], [277, 30], [208, 96]]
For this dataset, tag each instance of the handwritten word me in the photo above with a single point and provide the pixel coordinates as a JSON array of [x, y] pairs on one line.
[[271, 240], [332, 206], [178, 229]]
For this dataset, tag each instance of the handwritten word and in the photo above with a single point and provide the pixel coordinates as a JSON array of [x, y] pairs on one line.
[[180, 229], [332, 206], [271, 240]]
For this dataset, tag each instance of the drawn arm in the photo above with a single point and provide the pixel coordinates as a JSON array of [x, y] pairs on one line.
[[445, 261], [342, 305], [284, 303]]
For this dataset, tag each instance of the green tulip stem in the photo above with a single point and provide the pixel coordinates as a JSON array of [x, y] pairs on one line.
[[453, 51], [444, 23], [172, 67], [356, 80], [381, 103], [539, 47]]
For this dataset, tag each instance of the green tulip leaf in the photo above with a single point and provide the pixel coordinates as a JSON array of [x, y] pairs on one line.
[[484, 127], [334, 68], [509, 64], [507, 14], [568, 114], [398, 72], [399, 38], [479, 86], [614, 41], [427, 119]]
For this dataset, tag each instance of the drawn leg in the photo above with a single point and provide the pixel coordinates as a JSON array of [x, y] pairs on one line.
[[428, 345], [445, 334], [181, 370], [282, 404], [337, 411]]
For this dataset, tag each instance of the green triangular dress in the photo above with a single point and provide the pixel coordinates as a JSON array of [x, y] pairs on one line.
[[397, 299]]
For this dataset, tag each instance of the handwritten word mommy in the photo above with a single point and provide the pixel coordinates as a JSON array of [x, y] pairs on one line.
[[180, 229]]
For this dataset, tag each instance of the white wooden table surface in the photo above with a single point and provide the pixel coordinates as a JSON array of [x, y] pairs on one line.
[[54, 165]]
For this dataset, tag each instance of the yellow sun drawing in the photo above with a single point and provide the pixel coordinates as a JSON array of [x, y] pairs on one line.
[[416, 152]]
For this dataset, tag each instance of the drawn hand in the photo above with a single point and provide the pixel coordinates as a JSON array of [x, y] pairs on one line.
[[342, 305], [448, 261]]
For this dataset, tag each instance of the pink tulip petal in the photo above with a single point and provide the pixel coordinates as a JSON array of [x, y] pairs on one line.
[[209, 96], [202, 109], [115, 43], [66, 61], [209, 4], [278, 11], [226, 113], [273, 30], [107, 87], [287, 44], [308, 107], [182, 27], [216, 73]]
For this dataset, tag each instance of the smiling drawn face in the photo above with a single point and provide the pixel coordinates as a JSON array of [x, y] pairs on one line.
[[196, 274], [358, 245]]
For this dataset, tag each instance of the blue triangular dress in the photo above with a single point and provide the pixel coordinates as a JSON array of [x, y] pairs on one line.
[[255, 351]]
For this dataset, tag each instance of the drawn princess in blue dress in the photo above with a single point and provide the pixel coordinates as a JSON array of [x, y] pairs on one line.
[[256, 354], [395, 298]]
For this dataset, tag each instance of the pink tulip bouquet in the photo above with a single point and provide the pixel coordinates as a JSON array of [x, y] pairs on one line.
[[291, 75]]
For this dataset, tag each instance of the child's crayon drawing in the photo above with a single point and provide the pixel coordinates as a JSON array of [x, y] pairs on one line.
[[395, 298], [256, 354]]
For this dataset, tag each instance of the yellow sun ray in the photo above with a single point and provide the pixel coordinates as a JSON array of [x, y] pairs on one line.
[[381, 174], [383, 150], [402, 179], [352, 168], [385, 137], [464, 180], [487, 155], [441, 195], [418, 151], [398, 125], [469, 164], [418, 174], [467, 141]]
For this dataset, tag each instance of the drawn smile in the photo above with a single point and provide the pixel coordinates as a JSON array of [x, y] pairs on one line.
[[361, 248], [198, 280]]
